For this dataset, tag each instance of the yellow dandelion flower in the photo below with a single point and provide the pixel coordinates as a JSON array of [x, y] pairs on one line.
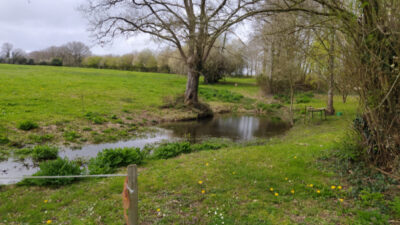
[[49, 221], [271, 189], [339, 187], [206, 164], [203, 191], [292, 191], [158, 210], [333, 187], [200, 182], [286, 178], [318, 191], [276, 194], [46, 201], [295, 157], [311, 185], [341, 199]]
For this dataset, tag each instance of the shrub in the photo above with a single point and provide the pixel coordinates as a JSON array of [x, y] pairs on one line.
[[4, 140], [395, 206], [263, 107], [56, 167], [282, 98], [4, 155], [374, 199], [169, 150], [372, 217], [56, 62], [96, 118], [41, 138], [349, 148], [208, 146], [71, 135], [44, 152], [27, 125], [22, 153], [110, 159], [220, 95], [304, 97], [87, 129], [276, 105]]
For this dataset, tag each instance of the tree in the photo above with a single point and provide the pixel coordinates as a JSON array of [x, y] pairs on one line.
[[371, 30], [196, 24], [19, 56], [6, 51], [145, 61], [75, 52]]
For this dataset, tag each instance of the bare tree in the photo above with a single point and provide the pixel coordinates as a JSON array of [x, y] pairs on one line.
[[75, 52], [19, 56], [192, 26], [371, 30], [6, 51]]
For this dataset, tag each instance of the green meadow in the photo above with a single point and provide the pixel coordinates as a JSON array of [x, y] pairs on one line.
[[59, 100], [288, 179]]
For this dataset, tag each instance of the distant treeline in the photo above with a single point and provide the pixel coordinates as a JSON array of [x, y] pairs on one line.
[[226, 60]]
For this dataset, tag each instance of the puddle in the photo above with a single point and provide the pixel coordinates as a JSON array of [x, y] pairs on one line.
[[234, 127]]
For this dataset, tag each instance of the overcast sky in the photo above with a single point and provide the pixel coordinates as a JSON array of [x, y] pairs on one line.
[[37, 24]]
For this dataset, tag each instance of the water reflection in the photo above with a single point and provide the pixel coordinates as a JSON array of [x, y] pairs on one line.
[[237, 128]]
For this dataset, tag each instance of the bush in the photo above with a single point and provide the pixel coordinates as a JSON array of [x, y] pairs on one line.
[[395, 206], [109, 159], [27, 125], [169, 150], [4, 140], [71, 135], [282, 98], [372, 217], [349, 148], [208, 146], [220, 95], [96, 118], [304, 97], [44, 152], [57, 167], [263, 107], [22, 153], [41, 138], [374, 199], [56, 62]]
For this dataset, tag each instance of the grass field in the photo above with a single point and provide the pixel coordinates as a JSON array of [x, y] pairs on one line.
[[236, 180], [60, 98]]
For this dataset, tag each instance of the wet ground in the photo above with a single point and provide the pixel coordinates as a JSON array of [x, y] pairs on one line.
[[235, 127]]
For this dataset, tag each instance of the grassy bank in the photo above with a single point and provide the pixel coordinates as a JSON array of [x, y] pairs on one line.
[[78, 105], [236, 182]]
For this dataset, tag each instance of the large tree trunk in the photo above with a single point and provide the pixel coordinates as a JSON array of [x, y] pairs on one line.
[[192, 87], [329, 108]]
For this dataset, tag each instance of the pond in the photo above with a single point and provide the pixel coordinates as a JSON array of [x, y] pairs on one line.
[[237, 128]]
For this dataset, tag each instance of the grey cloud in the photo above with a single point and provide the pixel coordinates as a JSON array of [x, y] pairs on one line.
[[37, 24]]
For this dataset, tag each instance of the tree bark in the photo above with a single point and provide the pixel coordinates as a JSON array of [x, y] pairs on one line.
[[344, 98], [192, 87], [329, 108]]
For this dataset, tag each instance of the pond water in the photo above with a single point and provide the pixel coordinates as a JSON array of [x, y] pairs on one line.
[[234, 127]]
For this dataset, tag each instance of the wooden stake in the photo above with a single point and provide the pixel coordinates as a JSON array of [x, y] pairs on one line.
[[133, 210]]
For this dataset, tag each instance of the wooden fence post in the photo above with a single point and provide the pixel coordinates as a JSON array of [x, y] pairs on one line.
[[133, 210]]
